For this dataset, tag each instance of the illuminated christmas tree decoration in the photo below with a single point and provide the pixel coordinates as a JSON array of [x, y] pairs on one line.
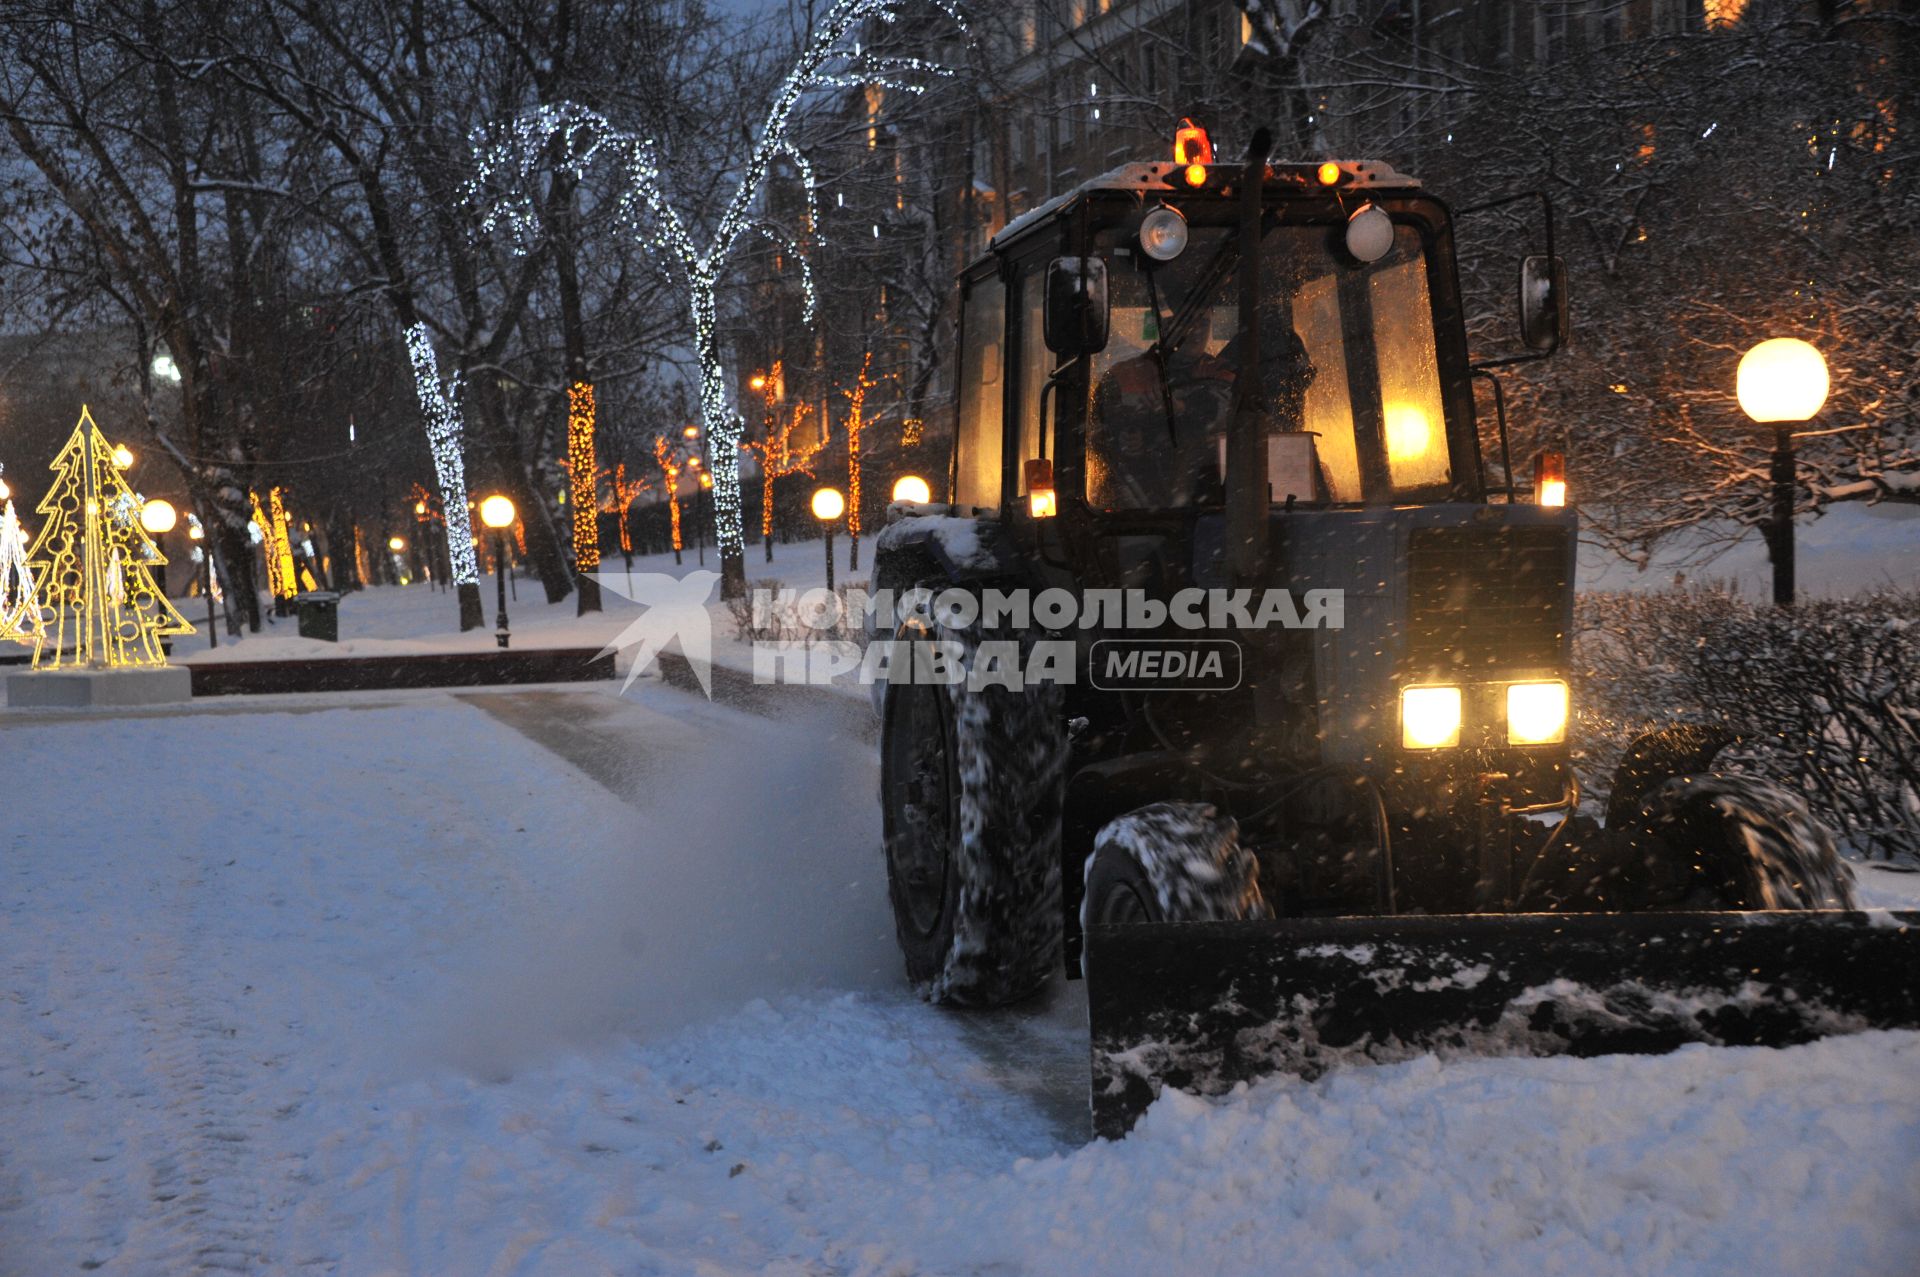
[[582, 471], [20, 618], [438, 401], [93, 563], [507, 157]]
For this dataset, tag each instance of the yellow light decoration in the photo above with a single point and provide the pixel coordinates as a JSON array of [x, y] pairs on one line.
[[582, 472], [20, 618], [282, 582], [96, 572]]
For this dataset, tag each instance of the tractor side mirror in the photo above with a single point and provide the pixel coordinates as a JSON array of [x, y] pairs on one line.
[[1544, 321], [1076, 305]]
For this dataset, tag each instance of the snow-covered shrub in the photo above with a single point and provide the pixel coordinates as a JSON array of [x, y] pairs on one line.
[[1825, 695], [773, 612]]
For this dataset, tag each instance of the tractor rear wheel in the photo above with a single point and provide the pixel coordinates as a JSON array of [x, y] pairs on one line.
[[1171, 862], [971, 785], [1731, 842]]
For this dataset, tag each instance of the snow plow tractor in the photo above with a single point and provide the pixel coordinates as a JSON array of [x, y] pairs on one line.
[[1230, 674]]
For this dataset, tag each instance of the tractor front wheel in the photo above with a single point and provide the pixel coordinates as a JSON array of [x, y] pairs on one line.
[[971, 785], [1171, 862], [1730, 842]]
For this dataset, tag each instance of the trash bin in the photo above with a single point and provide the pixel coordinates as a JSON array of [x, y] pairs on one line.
[[319, 615]]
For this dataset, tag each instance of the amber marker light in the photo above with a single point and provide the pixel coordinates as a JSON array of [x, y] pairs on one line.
[[1550, 479]]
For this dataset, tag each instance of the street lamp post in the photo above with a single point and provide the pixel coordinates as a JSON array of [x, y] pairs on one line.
[[497, 513], [394, 546], [157, 517], [1782, 383], [828, 506], [706, 512], [911, 487], [205, 552]]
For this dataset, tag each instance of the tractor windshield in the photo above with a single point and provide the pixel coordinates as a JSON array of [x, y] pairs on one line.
[[1347, 353]]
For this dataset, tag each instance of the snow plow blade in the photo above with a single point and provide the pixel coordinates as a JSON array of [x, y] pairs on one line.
[[1202, 1006]]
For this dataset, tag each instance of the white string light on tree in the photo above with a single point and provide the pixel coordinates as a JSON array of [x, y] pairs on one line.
[[438, 400], [507, 158]]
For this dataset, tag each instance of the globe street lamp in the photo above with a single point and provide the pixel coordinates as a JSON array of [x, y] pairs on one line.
[[394, 546], [911, 487], [828, 506], [122, 456], [497, 513], [157, 517], [1782, 382]]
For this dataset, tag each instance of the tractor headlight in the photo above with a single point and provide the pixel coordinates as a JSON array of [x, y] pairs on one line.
[[1429, 717], [1537, 713], [1163, 233]]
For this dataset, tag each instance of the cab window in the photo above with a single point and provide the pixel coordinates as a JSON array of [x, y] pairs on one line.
[[982, 395]]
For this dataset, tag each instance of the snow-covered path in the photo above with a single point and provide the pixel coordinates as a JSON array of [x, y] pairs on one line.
[[385, 990]]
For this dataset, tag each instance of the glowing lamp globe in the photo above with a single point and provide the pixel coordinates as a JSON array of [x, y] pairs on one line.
[[706, 480], [828, 504], [1782, 380], [911, 487], [396, 544], [157, 516], [496, 512], [122, 456], [691, 432]]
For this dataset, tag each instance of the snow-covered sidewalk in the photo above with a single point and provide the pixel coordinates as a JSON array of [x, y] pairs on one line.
[[550, 982]]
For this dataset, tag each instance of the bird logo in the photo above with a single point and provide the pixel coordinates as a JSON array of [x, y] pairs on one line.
[[675, 611]]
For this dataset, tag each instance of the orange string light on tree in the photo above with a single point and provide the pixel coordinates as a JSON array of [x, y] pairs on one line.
[[582, 473], [669, 461]]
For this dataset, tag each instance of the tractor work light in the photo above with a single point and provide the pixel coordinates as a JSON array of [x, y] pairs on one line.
[[1163, 233], [1430, 717], [1193, 151], [1537, 713]]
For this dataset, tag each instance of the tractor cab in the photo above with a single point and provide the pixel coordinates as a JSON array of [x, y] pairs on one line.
[[1361, 366], [1171, 381]]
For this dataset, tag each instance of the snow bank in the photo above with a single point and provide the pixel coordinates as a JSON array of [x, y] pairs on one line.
[[865, 1136]]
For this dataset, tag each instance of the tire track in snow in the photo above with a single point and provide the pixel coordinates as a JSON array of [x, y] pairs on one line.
[[208, 1192]]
